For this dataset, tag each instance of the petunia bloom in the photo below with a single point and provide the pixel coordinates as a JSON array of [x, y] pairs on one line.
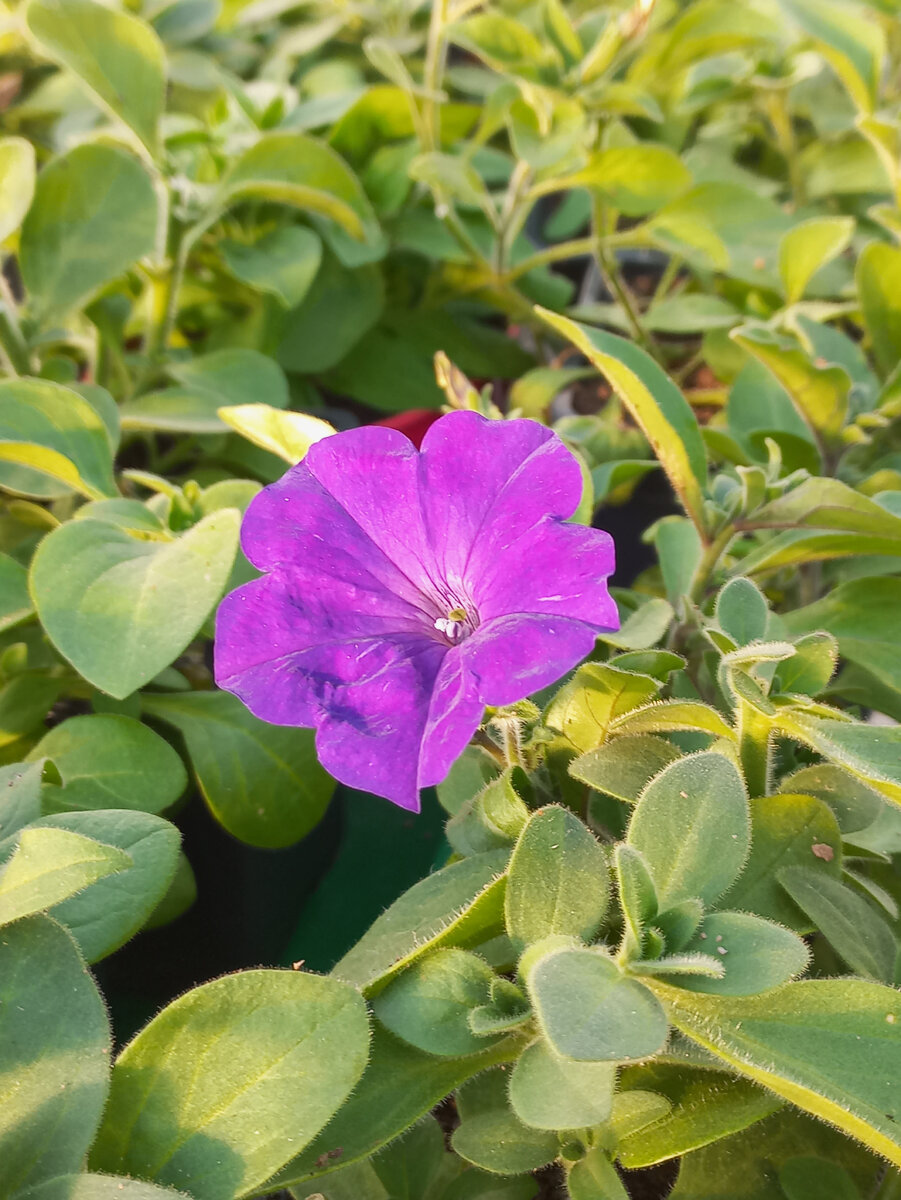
[[405, 590]]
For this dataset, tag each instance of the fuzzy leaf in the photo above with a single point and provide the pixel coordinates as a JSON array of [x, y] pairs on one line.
[[830, 1046], [692, 826], [557, 882]]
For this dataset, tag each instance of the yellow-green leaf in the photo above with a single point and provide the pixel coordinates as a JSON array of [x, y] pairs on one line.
[[807, 247], [287, 434], [654, 401]]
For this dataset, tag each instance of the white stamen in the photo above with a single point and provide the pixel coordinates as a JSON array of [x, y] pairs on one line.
[[451, 629]]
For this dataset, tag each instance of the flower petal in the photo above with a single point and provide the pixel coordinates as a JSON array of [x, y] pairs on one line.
[[370, 736], [557, 569], [454, 716], [485, 483], [298, 519], [265, 628], [515, 655]]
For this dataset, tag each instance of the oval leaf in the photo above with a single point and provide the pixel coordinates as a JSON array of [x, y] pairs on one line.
[[219, 1090], [120, 608]]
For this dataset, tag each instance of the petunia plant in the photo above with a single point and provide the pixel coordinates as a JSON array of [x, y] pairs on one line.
[[624, 620]]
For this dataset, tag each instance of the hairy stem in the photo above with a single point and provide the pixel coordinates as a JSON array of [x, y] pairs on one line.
[[754, 747]]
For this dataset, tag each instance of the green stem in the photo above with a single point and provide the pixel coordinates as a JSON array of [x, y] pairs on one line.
[[754, 737], [166, 306], [480, 738], [571, 249], [510, 731], [435, 53], [708, 563], [610, 272], [13, 344], [667, 278]]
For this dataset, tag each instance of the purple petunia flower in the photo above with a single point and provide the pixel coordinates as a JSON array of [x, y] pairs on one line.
[[406, 590]]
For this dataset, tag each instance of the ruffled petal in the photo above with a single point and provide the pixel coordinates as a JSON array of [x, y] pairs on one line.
[[512, 656], [553, 569], [485, 483]]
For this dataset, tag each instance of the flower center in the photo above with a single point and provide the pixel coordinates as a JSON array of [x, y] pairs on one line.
[[455, 626]]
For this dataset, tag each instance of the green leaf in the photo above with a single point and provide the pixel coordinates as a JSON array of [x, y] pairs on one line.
[[231, 1080], [287, 434], [225, 377], [557, 880], [635, 180], [624, 766], [496, 1141], [742, 611], [173, 410], [296, 169], [25, 702], [428, 1004], [15, 603], [679, 549], [54, 1055], [851, 42], [756, 954], [115, 907], [550, 1092], [829, 1046], [872, 752], [878, 281], [669, 716], [807, 247], [263, 782], [493, 818], [283, 262], [642, 628], [819, 393], [106, 761], [637, 894], [501, 41], [400, 1085], [857, 933], [341, 306], [49, 428], [829, 504], [784, 831], [594, 1177], [20, 797], [86, 1186], [50, 865], [234, 376], [854, 805], [120, 608], [692, 825], [459, 905], [811, 1178], [810, 668], [118, 56], [706, 1106], [589, 1011], [596, 695], [745, 1166], [863, 615], [17, 173], [95, 213], [653, 400]]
